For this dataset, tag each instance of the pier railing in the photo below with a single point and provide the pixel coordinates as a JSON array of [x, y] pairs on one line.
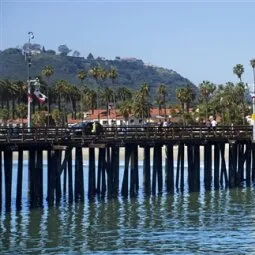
[[122, 133]]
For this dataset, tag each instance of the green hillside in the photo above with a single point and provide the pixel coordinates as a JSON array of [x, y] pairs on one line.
[[131, 72]]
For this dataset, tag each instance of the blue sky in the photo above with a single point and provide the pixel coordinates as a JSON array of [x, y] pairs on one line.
[[201, 40]]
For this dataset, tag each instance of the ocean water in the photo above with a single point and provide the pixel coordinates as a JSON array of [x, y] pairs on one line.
[[209, 222]]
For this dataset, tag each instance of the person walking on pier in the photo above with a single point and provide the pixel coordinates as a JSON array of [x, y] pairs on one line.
[[214, 124], [208, 125]]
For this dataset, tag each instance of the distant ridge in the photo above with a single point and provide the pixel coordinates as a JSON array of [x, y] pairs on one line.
[[132, 72]]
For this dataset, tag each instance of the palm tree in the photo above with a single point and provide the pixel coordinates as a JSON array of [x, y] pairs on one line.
[[206, 92], [230, 102], [124, 94], [61, 90], [90, 99], [47, 72], [95, 73], [252, 62], [107, 96], [103, 74], [74, 96], [125, 109], [21, 111], [238, 70], [185, 95], [142, 105], [81, 75], [240, 97], [161, 98], [113, 75], [10, 93]]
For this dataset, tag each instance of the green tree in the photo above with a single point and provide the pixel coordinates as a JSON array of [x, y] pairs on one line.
[[125, 109], [4, 115], [90, 99], [64, 50], [39, 119], [95, 73], [238, 70], [61, 90], [252, 62], [113, 75], [185, 95], [57, 117], [81, 75], [141, 103], [124, 94], [206, 90], [47, 72], [161, 98], [21, 111]]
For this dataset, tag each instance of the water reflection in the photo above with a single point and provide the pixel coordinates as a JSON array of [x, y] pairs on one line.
[[219, 221]]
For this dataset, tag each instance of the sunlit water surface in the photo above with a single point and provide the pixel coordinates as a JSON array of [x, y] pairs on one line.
[[213, 222]]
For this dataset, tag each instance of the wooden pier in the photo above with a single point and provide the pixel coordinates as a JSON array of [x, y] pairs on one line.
[[226, 155]]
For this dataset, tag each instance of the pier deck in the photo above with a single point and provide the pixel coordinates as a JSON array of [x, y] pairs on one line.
[[63, 146]]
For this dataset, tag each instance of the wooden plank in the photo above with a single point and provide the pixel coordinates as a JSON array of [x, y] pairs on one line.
[[97, 145], [59, 147]]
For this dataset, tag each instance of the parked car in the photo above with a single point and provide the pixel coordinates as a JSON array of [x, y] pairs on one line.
[[86, 128]]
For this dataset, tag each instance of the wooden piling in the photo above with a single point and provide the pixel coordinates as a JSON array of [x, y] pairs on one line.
[[248, 163], [253, 161], [103, 172], [8, 178], [134, 172], [232, 164], [70, 178], [207, 166], [1, 179], [115, 170], [99, 170], [65, 179], [124, 189], [19, 179], [169, 169], [223, 173], [241, 159], [51, 177], [56, 177], [196, 163], [146, 171], [109, 171], [92, 169], [216, 174], [190, 154], [154, 172], [178, 168], [79, 183], [31, 178], [39, 178], [182, 167], [159, 168]]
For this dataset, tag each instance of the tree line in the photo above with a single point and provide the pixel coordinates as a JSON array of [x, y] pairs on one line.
[[231, 101]]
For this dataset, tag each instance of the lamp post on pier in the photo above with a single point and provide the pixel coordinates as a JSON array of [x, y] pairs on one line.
[[30, 82]]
